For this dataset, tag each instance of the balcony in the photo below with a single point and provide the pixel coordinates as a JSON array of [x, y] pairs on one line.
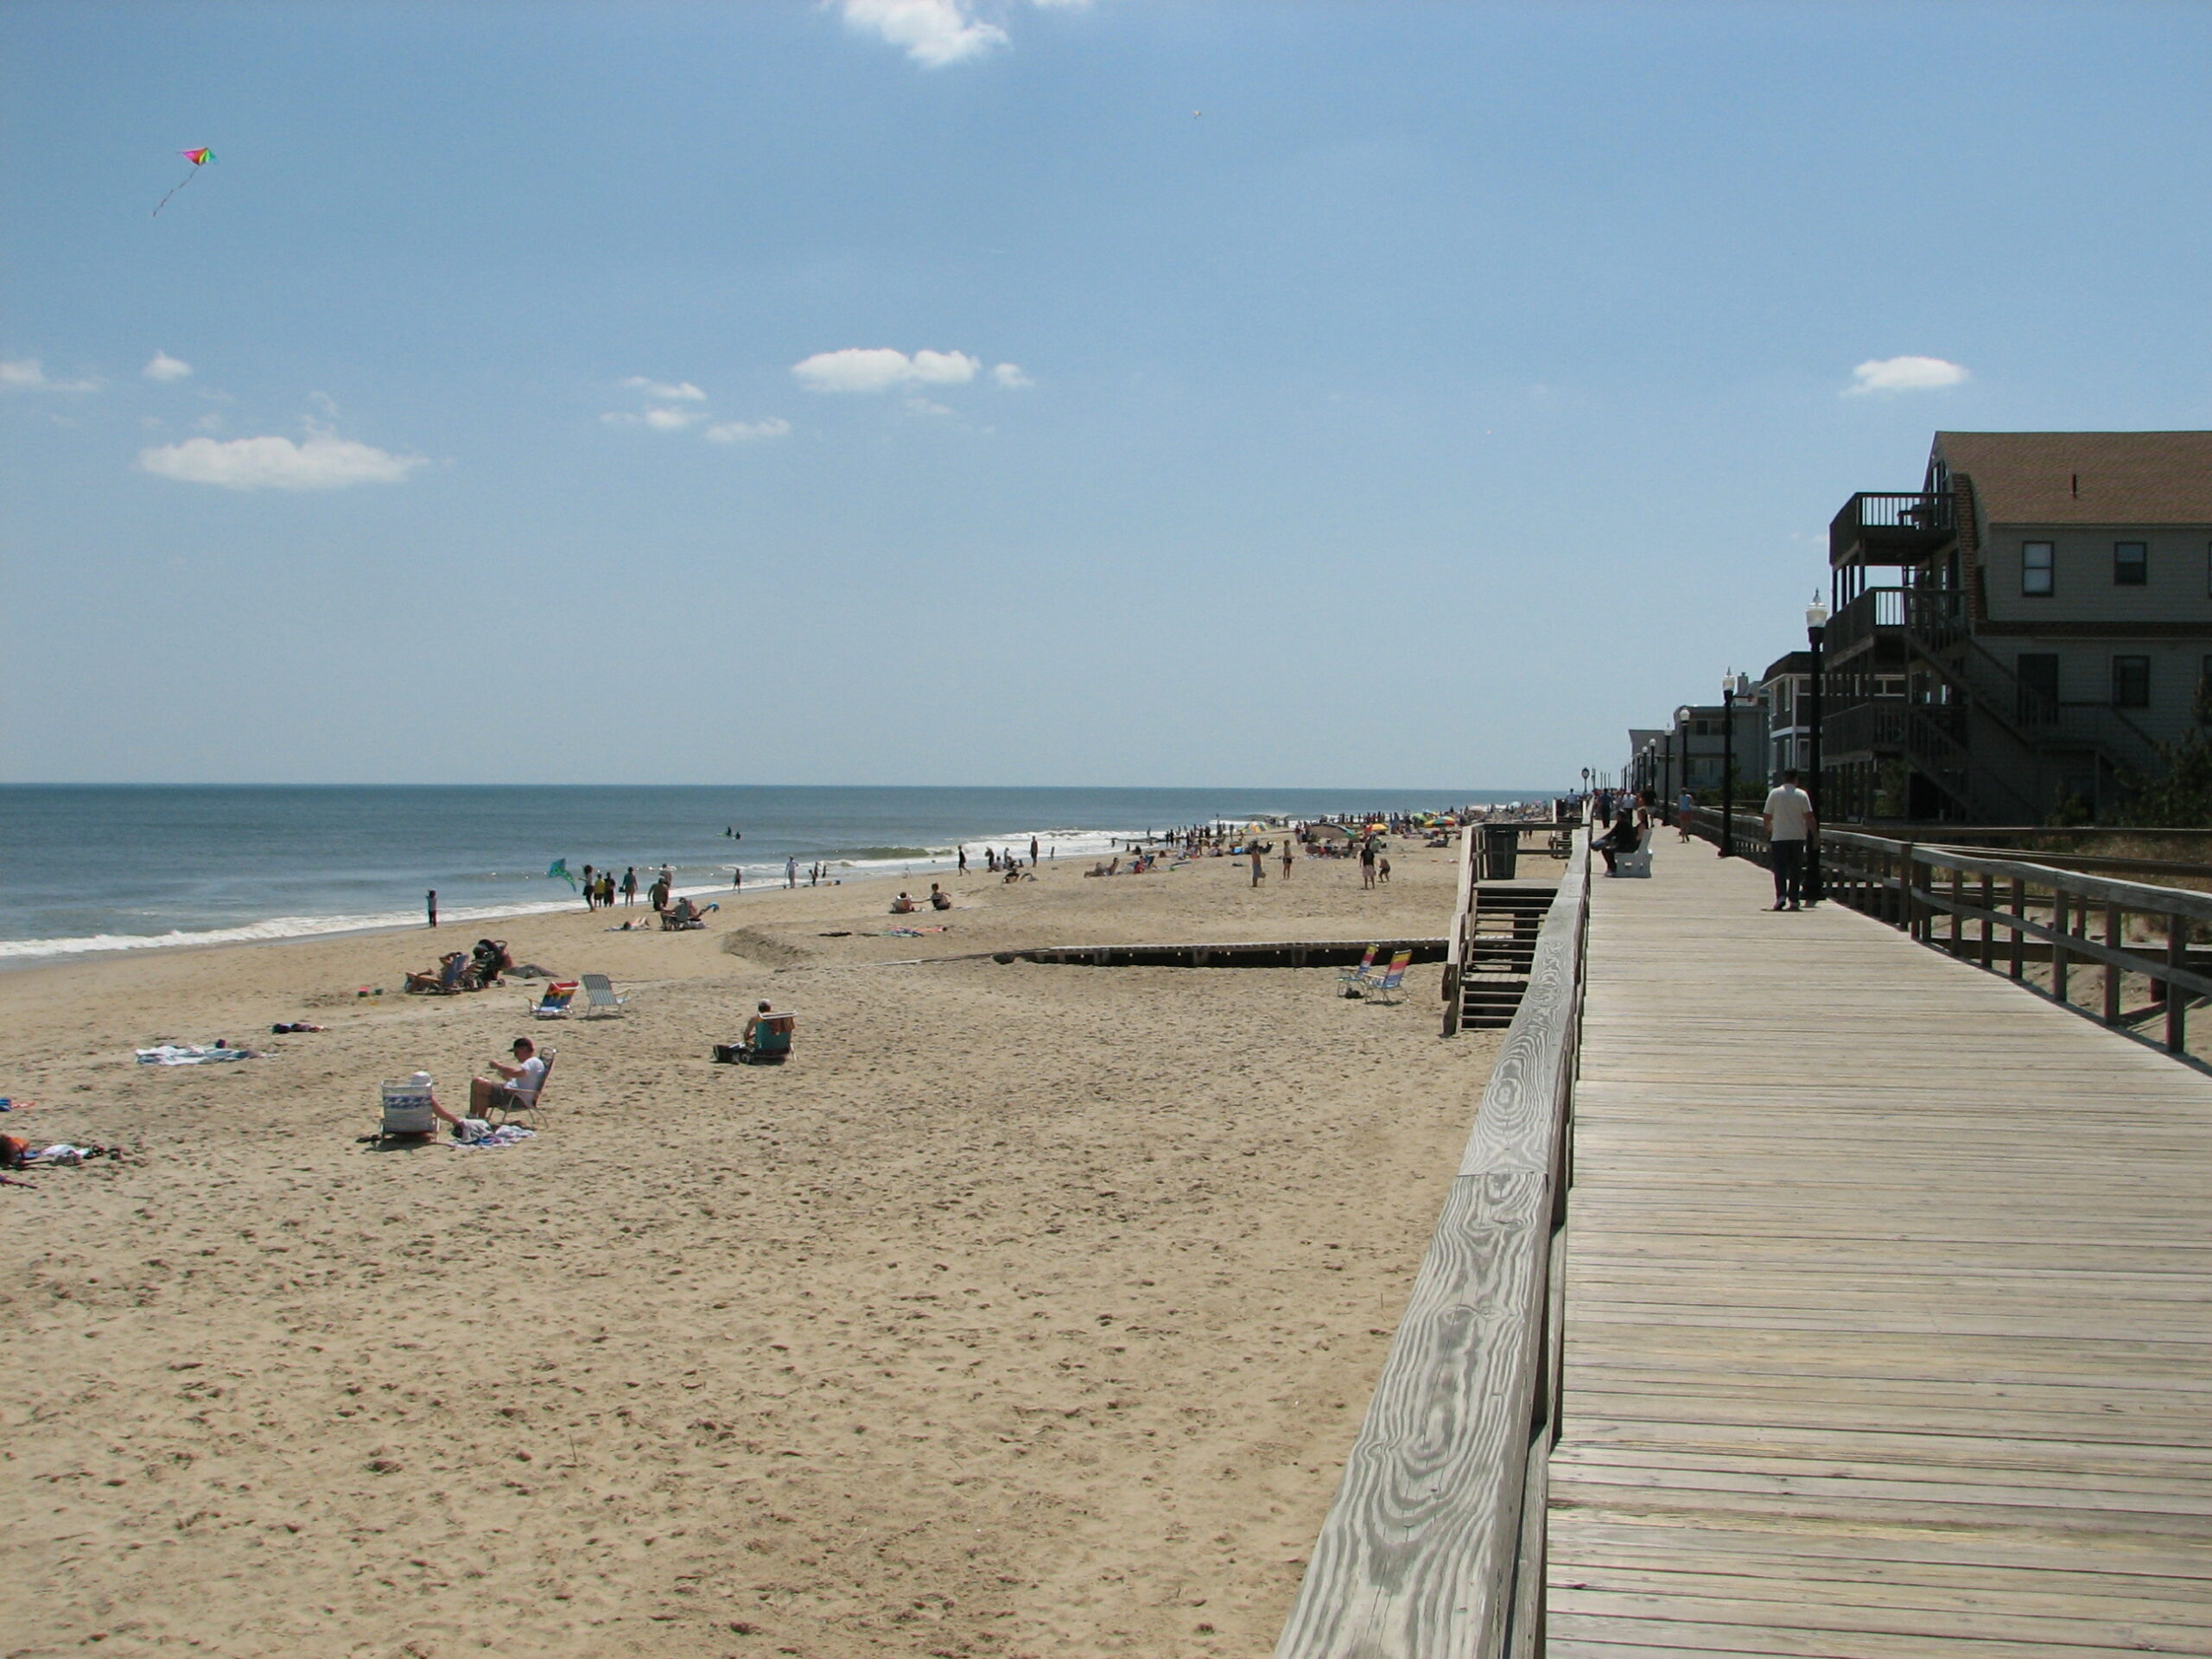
[[1876, 613], [1888, 529]]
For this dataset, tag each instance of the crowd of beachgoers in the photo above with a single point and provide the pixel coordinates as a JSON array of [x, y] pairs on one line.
[[968, 1315]]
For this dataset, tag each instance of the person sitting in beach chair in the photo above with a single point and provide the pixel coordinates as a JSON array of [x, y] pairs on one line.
[[766, 1039], [515, 1089], [683, 914], [452, 975]]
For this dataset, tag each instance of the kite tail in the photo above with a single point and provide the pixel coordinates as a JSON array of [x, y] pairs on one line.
[[174, 188]]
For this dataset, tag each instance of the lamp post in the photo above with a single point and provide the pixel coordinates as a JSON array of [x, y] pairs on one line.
[[1728, 764], [1816, 624]]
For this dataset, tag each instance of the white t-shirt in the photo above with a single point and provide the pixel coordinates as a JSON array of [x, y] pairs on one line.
[[1791, 809], [526, 1080]]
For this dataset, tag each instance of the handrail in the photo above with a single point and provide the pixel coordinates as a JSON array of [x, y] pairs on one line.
[[1463, 915], [2015, 901], [1434, 1546]]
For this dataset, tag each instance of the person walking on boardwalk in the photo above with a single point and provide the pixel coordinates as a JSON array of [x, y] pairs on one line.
[[1683, 807], [1788, 815]]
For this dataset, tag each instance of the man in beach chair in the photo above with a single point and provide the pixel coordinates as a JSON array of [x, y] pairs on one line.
[[515, 1089], [684, 915], [767, 1037]]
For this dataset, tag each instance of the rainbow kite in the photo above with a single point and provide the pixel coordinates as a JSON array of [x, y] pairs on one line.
[[198, 158]]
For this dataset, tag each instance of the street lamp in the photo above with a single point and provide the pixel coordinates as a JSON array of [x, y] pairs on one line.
[[1728, 764], [1816, 624]]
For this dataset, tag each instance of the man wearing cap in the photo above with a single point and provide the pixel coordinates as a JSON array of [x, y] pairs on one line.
[[515, 1089]]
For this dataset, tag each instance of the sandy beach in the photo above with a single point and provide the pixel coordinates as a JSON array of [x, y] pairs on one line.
[[1030, 1311]]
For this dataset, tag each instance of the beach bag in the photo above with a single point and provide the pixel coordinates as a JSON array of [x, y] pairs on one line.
[[729, 1053]]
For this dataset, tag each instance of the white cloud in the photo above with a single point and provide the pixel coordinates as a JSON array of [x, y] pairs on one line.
[[323, 463], [917, 404], [1010, 375], [934, 32], [747, 431], [1904, 374], [660, 420], [682, 392], [880, 368], [24, 374], [165, 367]]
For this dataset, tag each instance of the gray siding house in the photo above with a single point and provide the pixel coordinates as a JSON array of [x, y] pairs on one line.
[[2018, 635]]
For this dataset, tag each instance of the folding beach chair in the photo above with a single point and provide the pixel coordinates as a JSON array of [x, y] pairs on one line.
[[554, 1005], [506, 1105], [1350, 982], [1391, 989], [599, 991]]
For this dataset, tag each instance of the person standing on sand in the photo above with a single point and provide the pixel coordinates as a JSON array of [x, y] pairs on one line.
[[630, 885], [1033, 849], [791, 871], [1366, 862], [964, 861], [737, 878], [591, 889], [1259, 870], [1285, 858]]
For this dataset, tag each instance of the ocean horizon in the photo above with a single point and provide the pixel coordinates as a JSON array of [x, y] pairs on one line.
[[87, 868]]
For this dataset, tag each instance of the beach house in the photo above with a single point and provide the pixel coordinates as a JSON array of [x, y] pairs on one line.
[[2019, 635]]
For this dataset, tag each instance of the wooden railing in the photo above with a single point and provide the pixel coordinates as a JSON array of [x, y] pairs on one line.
[[2005, 914], [1434, 1546]]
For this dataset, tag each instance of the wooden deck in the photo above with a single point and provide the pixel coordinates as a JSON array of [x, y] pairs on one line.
[[1889, 1322]]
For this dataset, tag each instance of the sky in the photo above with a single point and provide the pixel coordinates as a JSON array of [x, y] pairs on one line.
[[1000, 392]]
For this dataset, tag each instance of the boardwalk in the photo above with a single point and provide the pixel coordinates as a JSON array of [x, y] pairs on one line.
[[1889, 1308]]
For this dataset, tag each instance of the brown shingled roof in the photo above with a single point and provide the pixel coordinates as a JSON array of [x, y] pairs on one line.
[[2125, 477]]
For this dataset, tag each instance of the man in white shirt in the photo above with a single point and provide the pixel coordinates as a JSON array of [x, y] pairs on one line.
[[516, 1087], [1790, 825]]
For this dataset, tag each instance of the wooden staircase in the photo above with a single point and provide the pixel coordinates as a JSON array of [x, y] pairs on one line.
[[1500, 944]]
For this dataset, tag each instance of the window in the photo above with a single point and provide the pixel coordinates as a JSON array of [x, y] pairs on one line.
[[2131, 564], [2131, 681], [2036, 571], [2038, 687]]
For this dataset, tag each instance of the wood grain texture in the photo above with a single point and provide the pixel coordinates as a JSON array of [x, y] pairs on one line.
[[1417, 1557], [1887, 1328]]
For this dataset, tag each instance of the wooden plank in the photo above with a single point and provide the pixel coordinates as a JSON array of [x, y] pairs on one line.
[[1889, 1320]]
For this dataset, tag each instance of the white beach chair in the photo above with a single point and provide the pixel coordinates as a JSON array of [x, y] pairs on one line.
[[407, 1109], [599, 990]]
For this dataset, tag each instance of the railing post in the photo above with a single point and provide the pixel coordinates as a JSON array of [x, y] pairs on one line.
[[2060, 925], [1908, 901], [2176, 1004], [1958, 922], [2019, 935], [1988, 927], [2114, 972]]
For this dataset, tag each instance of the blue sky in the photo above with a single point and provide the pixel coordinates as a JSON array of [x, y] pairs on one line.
[[948, 391]]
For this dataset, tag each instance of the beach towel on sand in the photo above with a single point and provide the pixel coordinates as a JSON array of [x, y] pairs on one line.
[[191, 1054], [490, 1139]]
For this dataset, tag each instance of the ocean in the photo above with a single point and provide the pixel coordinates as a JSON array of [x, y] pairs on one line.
[[87, 869]]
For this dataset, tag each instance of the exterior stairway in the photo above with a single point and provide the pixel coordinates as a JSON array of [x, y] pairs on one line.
[[1498, 944]]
